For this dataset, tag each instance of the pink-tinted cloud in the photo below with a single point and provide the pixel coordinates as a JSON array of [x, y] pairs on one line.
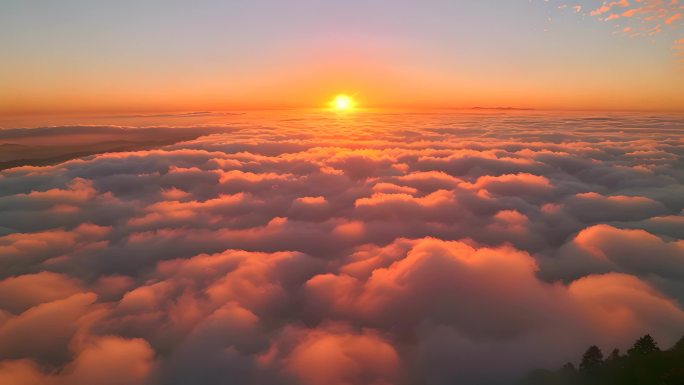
[[592, 206], [607, 6], [638, 18], [106, 360], [25, 291], [673, 18], [334, 356], [345, 255]]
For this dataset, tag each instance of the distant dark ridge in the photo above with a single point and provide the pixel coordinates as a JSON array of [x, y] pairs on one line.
[[75, 155], [503, 108], [23, 147]]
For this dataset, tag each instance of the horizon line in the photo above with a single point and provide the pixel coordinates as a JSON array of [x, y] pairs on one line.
[[161, 113]]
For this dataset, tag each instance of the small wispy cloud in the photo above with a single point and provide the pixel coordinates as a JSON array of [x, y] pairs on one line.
[[645, 18]]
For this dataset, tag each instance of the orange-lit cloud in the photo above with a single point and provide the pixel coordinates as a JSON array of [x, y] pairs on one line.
[[640, 18], [383, 250]]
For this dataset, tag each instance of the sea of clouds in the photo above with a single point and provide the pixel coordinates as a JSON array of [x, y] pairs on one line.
[[355, 250]]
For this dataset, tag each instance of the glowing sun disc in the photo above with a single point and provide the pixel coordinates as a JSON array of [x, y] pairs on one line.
[[343, 102]]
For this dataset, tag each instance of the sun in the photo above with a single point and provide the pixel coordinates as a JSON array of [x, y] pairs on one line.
[[343, 102]]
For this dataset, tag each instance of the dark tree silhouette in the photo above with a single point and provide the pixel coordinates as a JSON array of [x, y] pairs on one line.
[[644, 345], [644, 364], [592, 359], [614, 356], [679, 346]]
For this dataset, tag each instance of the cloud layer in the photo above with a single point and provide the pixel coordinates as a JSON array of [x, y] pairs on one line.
[[381, 249]]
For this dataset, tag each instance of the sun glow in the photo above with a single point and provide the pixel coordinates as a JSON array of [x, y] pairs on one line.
[[343, 102]]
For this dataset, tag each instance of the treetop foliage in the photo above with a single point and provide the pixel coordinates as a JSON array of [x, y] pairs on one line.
[[644, 364]]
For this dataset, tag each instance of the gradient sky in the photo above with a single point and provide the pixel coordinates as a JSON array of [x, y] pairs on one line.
[[129, 55]]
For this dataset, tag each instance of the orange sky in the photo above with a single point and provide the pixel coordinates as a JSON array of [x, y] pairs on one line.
[[77, 58]]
